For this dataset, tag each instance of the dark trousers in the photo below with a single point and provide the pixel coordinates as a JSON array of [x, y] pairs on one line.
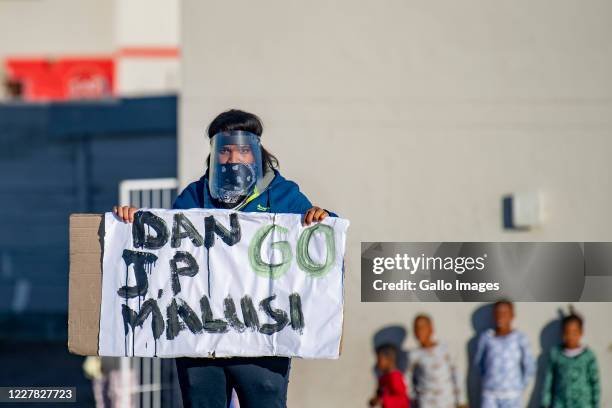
[[258, 381]]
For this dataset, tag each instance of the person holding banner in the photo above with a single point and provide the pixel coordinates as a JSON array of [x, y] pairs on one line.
[[241, 175]]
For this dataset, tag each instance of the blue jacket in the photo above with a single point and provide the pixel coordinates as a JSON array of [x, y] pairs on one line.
[[281, 196]]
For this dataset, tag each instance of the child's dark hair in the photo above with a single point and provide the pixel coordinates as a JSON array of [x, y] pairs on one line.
[[572, 317], [504, 302], [235, 119], [387, 350]]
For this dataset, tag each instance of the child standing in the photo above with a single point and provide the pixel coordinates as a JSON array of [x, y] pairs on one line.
[[504, 359], [391, 392], [436, 380], [572, 379]]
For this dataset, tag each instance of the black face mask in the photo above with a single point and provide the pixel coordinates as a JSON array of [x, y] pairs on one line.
[[236, 181], [226, 206]]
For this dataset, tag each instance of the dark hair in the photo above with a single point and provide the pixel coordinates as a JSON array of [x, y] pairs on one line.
[[572, 317], [505, 302], [235, 119], [387, 350]]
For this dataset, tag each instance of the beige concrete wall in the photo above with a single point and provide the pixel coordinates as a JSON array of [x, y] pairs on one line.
[[413, 119], [40, 27], [152, 24]]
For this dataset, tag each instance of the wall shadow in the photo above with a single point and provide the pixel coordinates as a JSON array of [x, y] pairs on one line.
[[393, 335], [550, 336], [482, 320]]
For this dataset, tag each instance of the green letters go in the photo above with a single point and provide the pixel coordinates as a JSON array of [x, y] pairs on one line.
[[261, 268], [304, 260]]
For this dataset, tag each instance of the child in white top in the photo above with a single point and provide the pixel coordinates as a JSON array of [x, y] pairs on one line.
[[437, 383]]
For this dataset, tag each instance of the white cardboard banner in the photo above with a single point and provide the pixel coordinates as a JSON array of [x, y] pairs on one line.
[[203, 283]]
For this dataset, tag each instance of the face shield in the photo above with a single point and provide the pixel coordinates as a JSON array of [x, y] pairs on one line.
[[235, 166]]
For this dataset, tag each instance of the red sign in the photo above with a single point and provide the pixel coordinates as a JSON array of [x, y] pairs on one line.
[[62, 79]]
